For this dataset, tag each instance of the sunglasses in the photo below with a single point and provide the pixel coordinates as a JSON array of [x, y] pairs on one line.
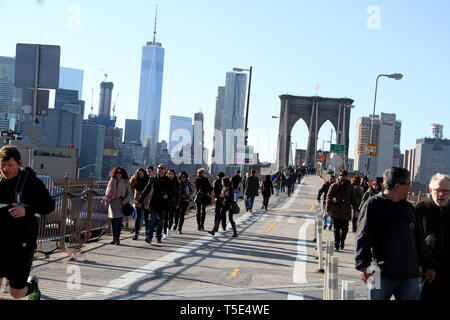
[[163, 168]]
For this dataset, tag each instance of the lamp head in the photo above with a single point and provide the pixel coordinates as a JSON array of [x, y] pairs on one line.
[[396, 76]]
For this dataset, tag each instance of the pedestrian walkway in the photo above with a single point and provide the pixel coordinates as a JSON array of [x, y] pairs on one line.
[[273, 258]]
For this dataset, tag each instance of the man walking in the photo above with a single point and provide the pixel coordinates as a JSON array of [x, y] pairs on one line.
[[236, 181], [339, 203], [217, 189], [324, 191], [390, 234], [434, 215], [23, 197], [251, 190], [158, 188]]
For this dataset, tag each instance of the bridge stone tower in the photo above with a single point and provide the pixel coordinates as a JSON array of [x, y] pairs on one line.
[[315, 111]]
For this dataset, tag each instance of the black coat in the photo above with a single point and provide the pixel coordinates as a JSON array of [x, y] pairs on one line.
[[267, 188], [22, 232], [324, 191], [157, 187], [389, 233], [436, 227]]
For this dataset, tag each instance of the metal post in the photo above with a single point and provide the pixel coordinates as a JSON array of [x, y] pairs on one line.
[[333, 278], [64, 212], [348, 290], [89, 209]]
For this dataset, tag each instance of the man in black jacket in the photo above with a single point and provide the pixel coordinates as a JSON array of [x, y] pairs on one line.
[[217, 189], [324, 191], [158, 186], [434, 214], [390, 234], [23, 198]]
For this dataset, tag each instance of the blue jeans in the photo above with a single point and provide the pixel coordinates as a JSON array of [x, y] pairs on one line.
[[156, 219], [237, 193], [116, 226], [249, 200], [401, 289], [326, 218]]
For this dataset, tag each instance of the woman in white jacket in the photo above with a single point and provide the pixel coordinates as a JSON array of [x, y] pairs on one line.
[[118, 193]]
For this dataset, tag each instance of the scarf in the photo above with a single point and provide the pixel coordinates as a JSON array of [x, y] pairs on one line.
[[115, 189]]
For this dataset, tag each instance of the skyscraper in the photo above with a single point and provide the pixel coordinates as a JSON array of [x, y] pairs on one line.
[[71, 79], [150, 92], [92, 149], [229, 123], [180, 133], [104, 107], [133, 131], [10, 97]]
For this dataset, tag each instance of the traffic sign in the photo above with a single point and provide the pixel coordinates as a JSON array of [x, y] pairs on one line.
[[371, 149], [337, 148]]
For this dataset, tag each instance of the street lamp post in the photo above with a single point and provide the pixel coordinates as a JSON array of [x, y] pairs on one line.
[[396, 76]]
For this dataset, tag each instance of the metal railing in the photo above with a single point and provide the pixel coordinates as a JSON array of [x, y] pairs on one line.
[[78, 217]]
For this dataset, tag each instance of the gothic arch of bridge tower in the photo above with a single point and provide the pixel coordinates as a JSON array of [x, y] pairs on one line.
[[315, 111]]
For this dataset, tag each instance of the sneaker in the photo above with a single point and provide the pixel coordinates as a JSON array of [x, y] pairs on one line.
[[135, 237], [148, 240], [158, 240], [113, 242], [168, 233], [164, 236], [6, 289], [36, 294], [117, 242], [179, 232]]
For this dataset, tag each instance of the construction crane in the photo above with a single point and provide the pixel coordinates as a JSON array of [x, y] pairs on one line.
[[105, 73], [114, 104]]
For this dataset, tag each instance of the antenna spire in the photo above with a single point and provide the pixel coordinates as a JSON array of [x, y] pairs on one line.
[[156, 17]]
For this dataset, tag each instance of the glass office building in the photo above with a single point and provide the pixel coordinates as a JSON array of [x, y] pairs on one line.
[[150, 93]]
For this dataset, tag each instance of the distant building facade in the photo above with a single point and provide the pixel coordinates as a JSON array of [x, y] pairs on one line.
[[386, 135]]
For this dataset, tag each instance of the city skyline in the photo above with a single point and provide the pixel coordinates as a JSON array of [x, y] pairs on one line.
[[289, 55]]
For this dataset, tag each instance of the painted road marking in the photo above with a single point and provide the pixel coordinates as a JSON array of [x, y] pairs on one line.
[[271, 227], [235, 273], [299, 274]]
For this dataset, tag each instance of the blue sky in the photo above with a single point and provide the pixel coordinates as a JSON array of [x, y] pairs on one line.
[[292, 45]]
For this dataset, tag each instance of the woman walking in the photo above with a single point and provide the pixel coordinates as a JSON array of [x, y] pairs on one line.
[[227, 195], [267, 191], [185, 193], [204, 189], [118, 193], [137, 184], [173, 202]]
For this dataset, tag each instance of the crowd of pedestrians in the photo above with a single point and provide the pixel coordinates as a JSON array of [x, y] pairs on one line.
[[408, 244]]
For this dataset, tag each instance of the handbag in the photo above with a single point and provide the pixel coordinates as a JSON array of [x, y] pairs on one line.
[[199, 197], [235, 208], [127, 209]]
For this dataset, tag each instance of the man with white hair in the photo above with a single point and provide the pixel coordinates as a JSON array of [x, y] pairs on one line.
[[434, 214]]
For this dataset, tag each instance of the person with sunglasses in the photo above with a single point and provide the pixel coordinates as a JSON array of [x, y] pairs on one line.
[[158, 187], [117, 194], [185, 194]]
